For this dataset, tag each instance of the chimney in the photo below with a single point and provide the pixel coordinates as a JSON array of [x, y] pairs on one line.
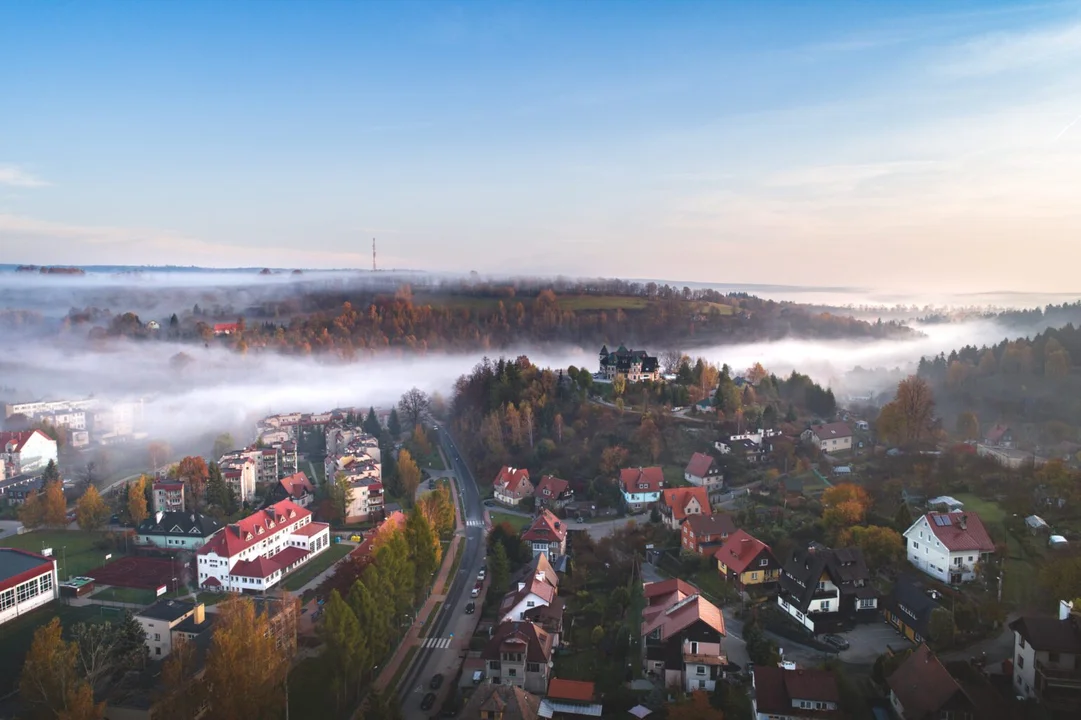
[[200, 614], [1064, 608], [964, 522]]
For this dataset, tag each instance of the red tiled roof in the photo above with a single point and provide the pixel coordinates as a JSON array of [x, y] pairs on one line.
[[740, 550], [297, 485], [547, 527], [922, 684], [708, 525], [973, 536], [211, 582], [680, 613], [831, 430], [523, 637], [260, 567], [699, 465], [536, 587], [239, 536], [225, 327], [167, 486], [311, 529], [574, 690], [665, 587], [631, 478], [511, 478], [773, 685], [19, 438], [997, 432], [551, 486], [677, 500]]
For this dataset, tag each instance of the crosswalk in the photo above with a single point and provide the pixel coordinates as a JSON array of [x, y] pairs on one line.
[[474, 523], [438, 643]]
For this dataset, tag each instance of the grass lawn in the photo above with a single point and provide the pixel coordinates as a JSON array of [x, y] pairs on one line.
[[673, 476], [73, 549], [321, 562], [126, 595], [16, 636], [211, 598], [990, 512], [515, 521]]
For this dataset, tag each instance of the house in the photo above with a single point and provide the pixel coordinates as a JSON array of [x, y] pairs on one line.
[[167, 496], [548, 618], [829, 438], [746, 561], [27, 581], [254, 554], [569, 699], [947, 546], [999, 435], [1009, 456], [1047, 659], [803, 694], [825, 589], [703, 534], [681, 635], [226, 329], [635, 365], [922, 688], [531, 593], [547, 534], [177, 530], [296, 487], [511, 485], [751, 446], [908, 608], [167, 622], [678, 504], [501, 702], [519, 654], [238, 469], [703, 471], [553, 492], [26, 452], [641, 487], [366, 499]]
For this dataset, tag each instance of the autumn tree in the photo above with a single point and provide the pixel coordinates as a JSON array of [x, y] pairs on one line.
[[137, 510], [194, 473], [756, 374], [420, 442], [909, 418], [91, 512], [244, 666], [968, 426], [50, 685], [346, 646], [32, 511], [1057, 361], [696, 707], [619, 385], [408, 474], [844, 506], [414, 404], [54, 508], [185, 694], [438, 507], [881, 546], [425, 551], [612, 459]]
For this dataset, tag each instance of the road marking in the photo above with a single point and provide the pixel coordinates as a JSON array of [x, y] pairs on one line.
[[437, 643], [474, 523]]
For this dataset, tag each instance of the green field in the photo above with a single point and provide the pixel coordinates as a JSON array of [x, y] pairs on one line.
[[515, 521], [990, 512], [16, 636], [126, 595], [73, 549], [321, 562]]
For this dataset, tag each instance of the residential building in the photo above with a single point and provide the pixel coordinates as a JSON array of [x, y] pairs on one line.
[[547, 534], [569, 699], [177, 530], [167, 496], [366, 500], [501, 702], [167, 622], [678, 504], [641, 487], [802, 694], [1047, 659], [745, 561], [534, 592], [948, 546], [751, 446], [829, 438], [238, 469], [922, 688], [635, 365], [511, 485], [1000, 435], [255, 553], [553, 492], [520, 654], [27, 581], [296, 487], [682, 636], [1010, 457], [26, 452], [703, 534], [908, 608], [18, 488], [703, 471], [825, 589]]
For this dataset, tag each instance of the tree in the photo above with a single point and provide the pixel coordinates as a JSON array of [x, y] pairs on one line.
[[696, 707], [193, 472], [881, 546], [137, 511], [340, 493], [130, 651], [424, 550], [218, 492], [54, 507], [91, 512], [51, 472], [612, 459], [499, 566], [185, 695], [383, 706], [371, 423], [222, 444], [968, 426], [345, 644], [597, 635], [414, 404], [32, 511], [941, 627], [408, 474], [420, 442], [394, 424], [903, 519], [159, 452], [619, 385], [50, 685], [244, 667], [909, 417], [844, 506]]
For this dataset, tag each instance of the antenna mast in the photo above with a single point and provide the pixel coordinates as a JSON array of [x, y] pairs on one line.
[[373, 255]]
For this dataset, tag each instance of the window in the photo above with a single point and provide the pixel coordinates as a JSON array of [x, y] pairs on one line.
[[46, 582], [157, 651], [866, 603], [694, 648], [24, 593], [7, 599], [1021, 642], [1020, 661], [700, 670], [754, 576], [915, 546], [701, 684], [825, 606], [157, 637], [512, 672], [763, 562], [532, 667], [970, 558], [958, 561]]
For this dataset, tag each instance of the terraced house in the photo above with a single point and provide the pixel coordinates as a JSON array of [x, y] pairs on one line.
[[682, 635]]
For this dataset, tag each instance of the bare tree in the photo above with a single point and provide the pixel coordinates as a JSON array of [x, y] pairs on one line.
[[414, 404], [670, 360]]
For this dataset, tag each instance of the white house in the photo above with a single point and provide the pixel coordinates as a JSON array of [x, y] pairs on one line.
[[255, 553], [239, 471], [829, 438], [703, 471], [1047, 655], [177, 530], [167, 621], [641, 487], [27, 581], [947, 546], [533, 593], [26, 452]]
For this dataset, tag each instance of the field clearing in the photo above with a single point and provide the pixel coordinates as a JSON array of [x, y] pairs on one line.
[[515, 521], [303, 575], [73, 549], [990, 512], [719, 307]]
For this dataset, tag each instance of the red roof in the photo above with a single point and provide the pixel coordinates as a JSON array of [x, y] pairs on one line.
[[776, 688], [297, 485], [705, 526], [260, 525], [510, 479], [211, 582], [831, 430], [666, 587], [574, 690], [551, 486], [641, 480], [679, 613], [699, 465], [677, 499], [546, 528], [225, 327], [960, 531], [260, 567], [311, 529], [19, 438], [996, 433], [740, 550], [168, 486]]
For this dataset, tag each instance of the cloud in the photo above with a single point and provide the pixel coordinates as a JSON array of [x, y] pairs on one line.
[[1002, 52], [17, 177]]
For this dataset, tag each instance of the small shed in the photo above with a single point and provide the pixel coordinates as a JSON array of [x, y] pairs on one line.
[[1036, 524], [1057, 541], [951, 504]]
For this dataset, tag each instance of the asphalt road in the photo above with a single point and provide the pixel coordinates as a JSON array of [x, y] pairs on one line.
[[451, 616]]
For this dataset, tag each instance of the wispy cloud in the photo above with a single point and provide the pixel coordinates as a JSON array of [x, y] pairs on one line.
[[1006, 52], [17, 177]]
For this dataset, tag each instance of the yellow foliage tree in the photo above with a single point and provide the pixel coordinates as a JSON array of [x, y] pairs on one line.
[[408, 473], [91, 512], [137, 500], [244, 666], [50, 685], [54, 506]]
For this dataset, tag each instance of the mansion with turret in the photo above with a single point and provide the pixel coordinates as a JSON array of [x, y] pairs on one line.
[[635, 365]]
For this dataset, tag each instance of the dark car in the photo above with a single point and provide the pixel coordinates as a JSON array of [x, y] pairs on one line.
[[437, 680], [470, 608], [835, 641], [428, 701]]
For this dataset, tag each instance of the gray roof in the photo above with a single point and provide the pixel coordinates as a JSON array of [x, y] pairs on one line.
[[179, 523], [168, 610], [15, 562]]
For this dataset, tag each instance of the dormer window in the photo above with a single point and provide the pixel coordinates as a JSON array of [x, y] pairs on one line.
[[247, 536]]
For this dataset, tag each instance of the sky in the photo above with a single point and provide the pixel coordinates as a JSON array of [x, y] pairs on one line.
[[910, 146]]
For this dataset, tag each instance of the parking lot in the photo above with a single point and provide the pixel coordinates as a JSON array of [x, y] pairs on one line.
[[866, 643]]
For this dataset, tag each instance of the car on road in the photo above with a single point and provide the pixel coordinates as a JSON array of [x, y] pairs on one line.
[[437, 681], [427, 702], [835, 641], [470, 608], [481, 574], [476, 591]]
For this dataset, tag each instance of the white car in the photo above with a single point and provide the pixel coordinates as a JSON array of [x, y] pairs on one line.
[[481, 574], [475, 592]]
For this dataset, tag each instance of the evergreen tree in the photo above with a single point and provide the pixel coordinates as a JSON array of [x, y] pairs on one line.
[[345, 644], [51, 472], [218, 492], [394, 424], [372, 617], [371, 423], [499, 566], [903, 519]]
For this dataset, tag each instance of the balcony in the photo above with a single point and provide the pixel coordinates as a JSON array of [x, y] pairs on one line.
[[1057, 678]]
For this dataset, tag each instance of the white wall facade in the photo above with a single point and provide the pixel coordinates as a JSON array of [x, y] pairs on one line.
[[929, 555], [28, 595], [213, 565]]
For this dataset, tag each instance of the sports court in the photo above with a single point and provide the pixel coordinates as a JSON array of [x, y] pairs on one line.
[[143, 573]]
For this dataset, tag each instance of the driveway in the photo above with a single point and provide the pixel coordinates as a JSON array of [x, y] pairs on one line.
[[866, 643], [9, 527], [604, 528]]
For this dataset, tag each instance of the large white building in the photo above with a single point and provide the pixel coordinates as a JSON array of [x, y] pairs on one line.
[[947, 546], [27, 581], [239, 470], [255, 553], [26, 453]]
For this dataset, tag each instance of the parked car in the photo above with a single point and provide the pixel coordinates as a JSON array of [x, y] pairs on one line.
[[835, 641], [437, 680], [427, 702], [482, 574], [470, 608], [475, 592]]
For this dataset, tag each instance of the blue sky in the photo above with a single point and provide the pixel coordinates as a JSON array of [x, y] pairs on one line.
[[897, 145]]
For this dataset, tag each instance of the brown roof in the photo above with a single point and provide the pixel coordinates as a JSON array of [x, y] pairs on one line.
[[510, 702], [551, 486], [574, 690], [533, 587], [666, 587], [677, 500], [719, 524], [512, 479], [680, 611], [699, 465], [922, 684], [546, 528], [776, 688], [973, 536], [297, 485], [997, 432], [831, 430], [740, 550], [630, 479], [1049, 634], [523, 637]]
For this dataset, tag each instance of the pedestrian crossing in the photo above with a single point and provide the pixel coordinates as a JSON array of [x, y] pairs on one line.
[[437, 643], [474, 523]]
